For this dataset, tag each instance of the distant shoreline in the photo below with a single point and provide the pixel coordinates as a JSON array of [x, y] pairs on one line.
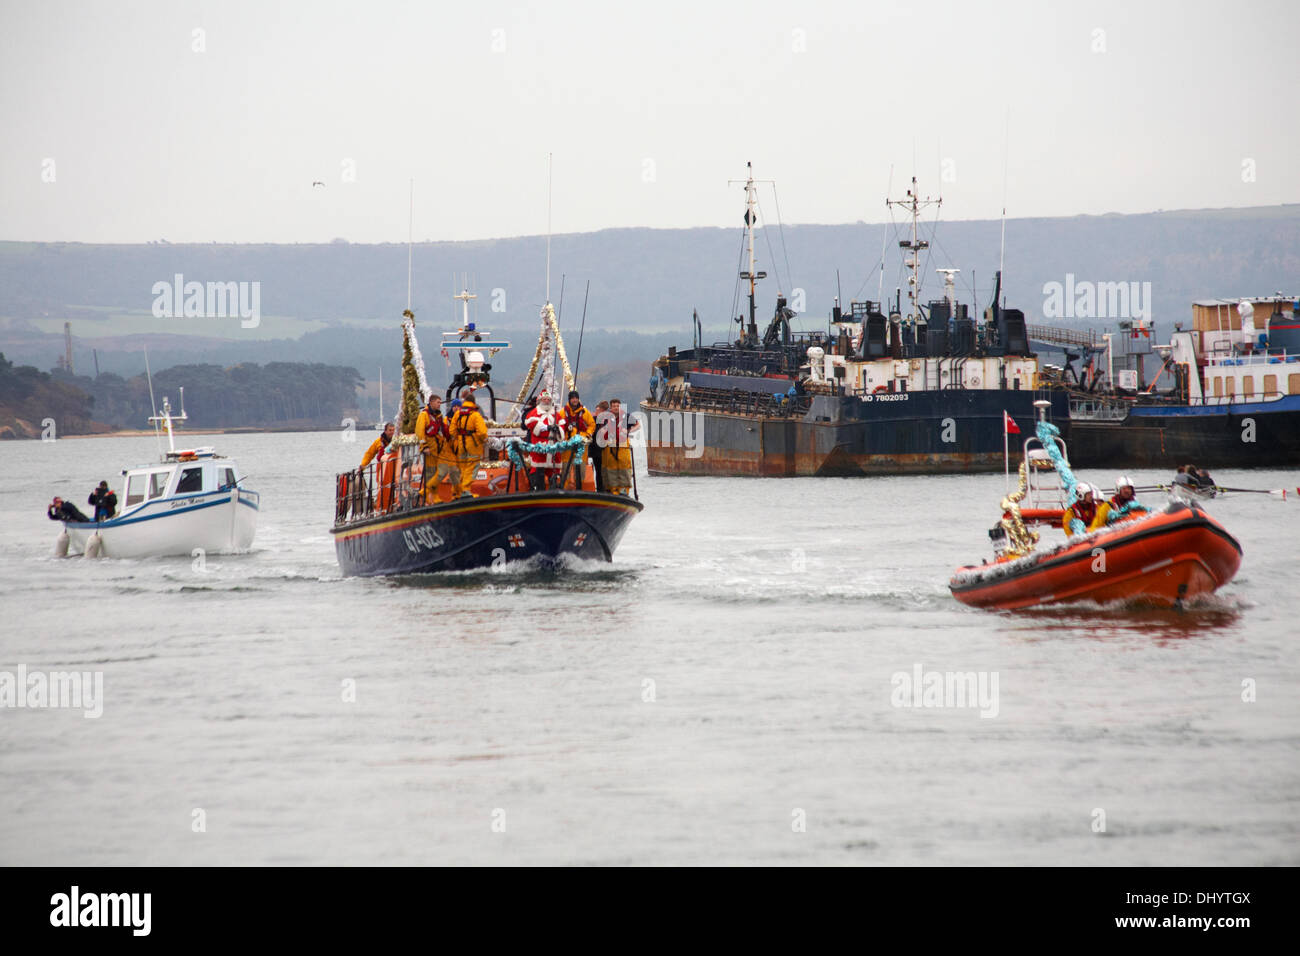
[[180, 436]]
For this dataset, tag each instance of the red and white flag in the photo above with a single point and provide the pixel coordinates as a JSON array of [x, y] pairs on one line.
[[1009, 424]]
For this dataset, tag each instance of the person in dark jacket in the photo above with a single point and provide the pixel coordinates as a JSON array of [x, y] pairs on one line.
[[104, 502], [596, 456], [60, 510]]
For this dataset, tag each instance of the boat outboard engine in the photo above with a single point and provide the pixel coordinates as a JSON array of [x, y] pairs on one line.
[[998, 535]]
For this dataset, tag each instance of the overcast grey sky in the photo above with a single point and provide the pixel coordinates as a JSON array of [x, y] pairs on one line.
[[149, 129]]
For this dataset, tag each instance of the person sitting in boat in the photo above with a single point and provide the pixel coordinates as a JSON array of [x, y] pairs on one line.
[[60, 510], [469, 435], [1086, 514], [578, 421], [378, 445], [544, 425], [1201, 478], [1124, 502], [613, 437], [103, 501], [439, 456]]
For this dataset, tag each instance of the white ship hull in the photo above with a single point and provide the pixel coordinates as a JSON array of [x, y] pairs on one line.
[[215, 521]]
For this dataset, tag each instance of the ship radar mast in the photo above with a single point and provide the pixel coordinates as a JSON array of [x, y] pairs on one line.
[[750, 334], [913, 247]]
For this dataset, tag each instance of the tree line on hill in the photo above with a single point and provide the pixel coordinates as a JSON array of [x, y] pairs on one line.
[[284, 394], [33, 402]]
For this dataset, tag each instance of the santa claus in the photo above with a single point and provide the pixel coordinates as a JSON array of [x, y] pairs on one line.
[[545, 425]]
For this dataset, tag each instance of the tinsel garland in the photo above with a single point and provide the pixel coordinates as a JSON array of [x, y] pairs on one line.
[[550, 327], [408, 326], [1020, 540], [1125, 510], [1047, 433], [577, 444]]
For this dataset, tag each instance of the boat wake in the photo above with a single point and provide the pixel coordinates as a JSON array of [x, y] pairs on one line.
[[564, 573], [1196, 617]]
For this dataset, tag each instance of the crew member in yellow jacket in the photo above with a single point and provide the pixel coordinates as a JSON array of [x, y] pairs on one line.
[[439, 455], [469, 437], [612, 435], [1086, 514], [378, 445], [578, 421]]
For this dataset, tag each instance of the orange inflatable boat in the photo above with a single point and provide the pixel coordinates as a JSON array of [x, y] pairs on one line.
[[1162, 558]]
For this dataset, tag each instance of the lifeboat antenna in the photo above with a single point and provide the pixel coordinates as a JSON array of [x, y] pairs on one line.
[[464, 297], [548, 228], [410, 241]]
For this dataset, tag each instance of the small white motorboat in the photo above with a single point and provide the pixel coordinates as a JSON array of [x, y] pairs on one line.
[[189, 501]]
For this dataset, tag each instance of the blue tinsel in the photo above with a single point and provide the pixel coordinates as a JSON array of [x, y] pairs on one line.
[[1047, 434], [516, 445]]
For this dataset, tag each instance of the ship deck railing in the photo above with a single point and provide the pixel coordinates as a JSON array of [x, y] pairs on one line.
[[1099, 409], [735, 401], [1238, 359], [1271, 395], [365, 493], [1056, 335]]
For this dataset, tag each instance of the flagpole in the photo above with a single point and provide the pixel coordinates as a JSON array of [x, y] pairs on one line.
[[1006, 451]]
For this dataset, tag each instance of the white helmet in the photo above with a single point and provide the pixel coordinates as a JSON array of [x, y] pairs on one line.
[[1123, 481], [1083, 488]]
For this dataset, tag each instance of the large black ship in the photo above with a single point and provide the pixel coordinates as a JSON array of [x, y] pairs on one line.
[[887, 388]]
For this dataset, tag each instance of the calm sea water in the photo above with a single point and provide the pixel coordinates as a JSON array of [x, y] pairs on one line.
[[723, 692]]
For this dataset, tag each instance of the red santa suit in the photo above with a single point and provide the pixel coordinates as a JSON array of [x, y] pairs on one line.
[[538, 423]]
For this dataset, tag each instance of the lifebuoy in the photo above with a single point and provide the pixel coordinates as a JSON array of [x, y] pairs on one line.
[[341, 497], [879, 388]]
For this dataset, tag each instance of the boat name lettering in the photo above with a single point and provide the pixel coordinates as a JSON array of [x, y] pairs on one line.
[[886, 397], [422, 537]]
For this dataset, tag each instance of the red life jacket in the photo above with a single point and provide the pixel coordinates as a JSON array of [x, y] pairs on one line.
[[1085, 511]]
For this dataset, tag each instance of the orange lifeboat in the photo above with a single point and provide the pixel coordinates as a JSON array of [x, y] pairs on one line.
[[1162, 558]]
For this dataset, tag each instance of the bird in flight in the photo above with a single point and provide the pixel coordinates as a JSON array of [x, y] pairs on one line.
[[318, 183]]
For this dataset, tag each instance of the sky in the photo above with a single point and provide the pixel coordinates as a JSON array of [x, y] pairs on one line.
[[209, 122]]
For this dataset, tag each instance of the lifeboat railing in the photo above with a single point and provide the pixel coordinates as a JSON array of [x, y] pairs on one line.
[[1045, 489]]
